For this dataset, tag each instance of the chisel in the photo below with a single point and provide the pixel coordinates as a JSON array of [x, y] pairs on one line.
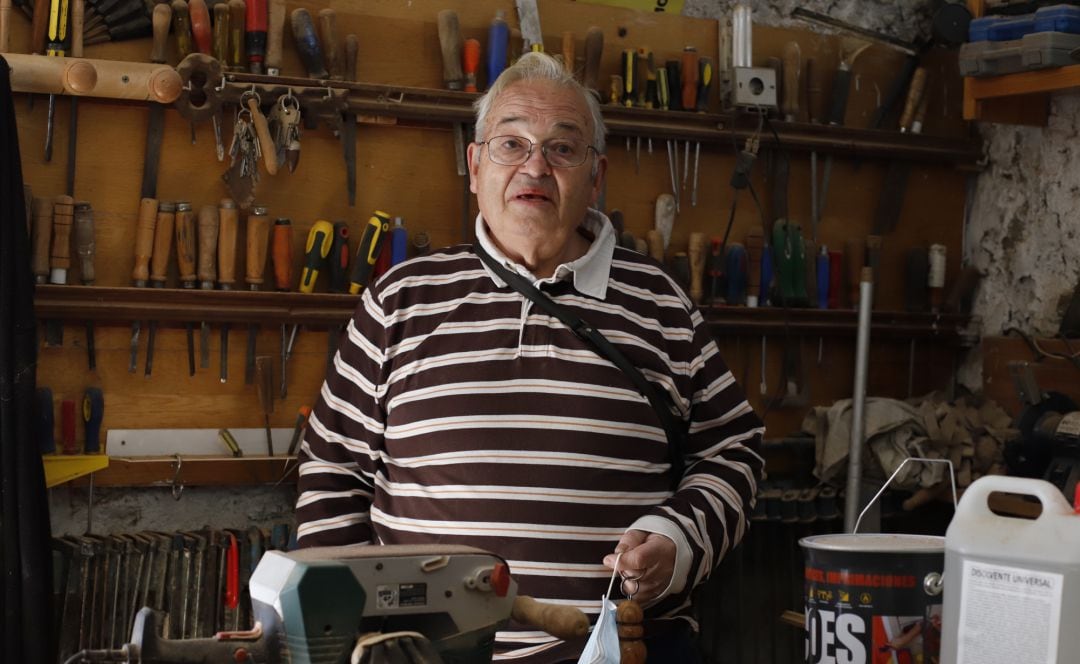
[[57, 35], [77, 15], [207, 270], [185, 261], [181, 25], [199, 15], [237, 14], [348, 129], [255, 24], [307, 43], [329, 40], [258, 240], [275, 26], [84, 249], [159, 266], [470, 63], [453, 77], [281, 254], [59, 259], [140, 274], [264, 389], [228, 220]]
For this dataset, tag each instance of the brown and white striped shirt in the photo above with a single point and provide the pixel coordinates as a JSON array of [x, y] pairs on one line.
[[456, 412]]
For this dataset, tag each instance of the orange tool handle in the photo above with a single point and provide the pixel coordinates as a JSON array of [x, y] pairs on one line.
[[568, 55], [255, 24], [689, 78], [208, 239], [282, 254], [185, 243], [471, 62], [258, 240], [144, 240], [229, 220], [163, 239], [232, 574], [200, 25]]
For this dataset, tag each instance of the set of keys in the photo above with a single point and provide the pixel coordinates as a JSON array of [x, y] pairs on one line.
[[275, 141]]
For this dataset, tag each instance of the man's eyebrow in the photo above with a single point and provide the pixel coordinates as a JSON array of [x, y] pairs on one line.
[[568, 126]]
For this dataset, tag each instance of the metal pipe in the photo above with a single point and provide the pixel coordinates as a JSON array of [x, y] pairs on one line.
[[858, 411]]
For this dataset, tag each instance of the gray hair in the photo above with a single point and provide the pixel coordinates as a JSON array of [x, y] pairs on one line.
[[536, 66]]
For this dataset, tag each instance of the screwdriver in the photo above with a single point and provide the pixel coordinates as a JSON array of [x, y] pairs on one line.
[[200, 25], [399, 242], [159, 263], [255, 22], [264, 388], [281, 254], [237, 14], [228, 220], [498, 42], [207, 270], [316, 256], [93, 410], [368, 252], [185, 262], [258, 237], [84, 249], [144, 247], [329, 40], [338, 260], [307, 43], [470, 63], [57, 31], [181, 18]]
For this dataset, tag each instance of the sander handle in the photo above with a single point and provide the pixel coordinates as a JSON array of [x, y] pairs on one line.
[[564, 622]]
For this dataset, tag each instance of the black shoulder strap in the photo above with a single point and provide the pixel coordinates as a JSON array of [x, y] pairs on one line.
[[674, 427]]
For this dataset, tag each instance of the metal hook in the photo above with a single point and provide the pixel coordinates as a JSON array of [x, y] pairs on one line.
[[329, 92], [219, 88], [177, 485]]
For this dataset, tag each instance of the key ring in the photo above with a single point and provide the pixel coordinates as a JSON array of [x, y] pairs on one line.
[[630, 579]]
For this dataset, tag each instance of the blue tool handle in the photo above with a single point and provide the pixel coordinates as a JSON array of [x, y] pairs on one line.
[[823, 279], [44, 420], [735, 269], [279, 537], [498, 43], [766, 275], [399, 243], [93, 409]]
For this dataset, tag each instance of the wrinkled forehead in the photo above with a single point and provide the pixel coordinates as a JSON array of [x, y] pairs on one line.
[[539, 107]]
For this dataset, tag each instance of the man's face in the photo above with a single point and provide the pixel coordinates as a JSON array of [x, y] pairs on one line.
[[534, 207]]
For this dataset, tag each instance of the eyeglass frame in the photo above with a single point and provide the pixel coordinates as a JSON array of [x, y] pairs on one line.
[[532, 146]]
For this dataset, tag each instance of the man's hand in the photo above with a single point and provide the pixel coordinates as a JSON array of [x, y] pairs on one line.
[[648, 559]]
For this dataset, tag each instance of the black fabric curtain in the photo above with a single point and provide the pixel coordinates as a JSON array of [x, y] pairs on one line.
[[26, 602]]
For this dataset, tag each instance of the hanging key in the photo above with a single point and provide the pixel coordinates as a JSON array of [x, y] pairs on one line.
[[244, 153], [285, 120]]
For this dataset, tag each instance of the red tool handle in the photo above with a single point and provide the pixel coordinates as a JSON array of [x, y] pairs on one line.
[[67, 426], [232, 574], [255, 22]]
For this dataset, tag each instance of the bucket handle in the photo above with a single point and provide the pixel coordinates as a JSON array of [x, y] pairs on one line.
[[952, 480]]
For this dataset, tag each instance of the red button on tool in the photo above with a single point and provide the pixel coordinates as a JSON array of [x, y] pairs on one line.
[[500, 579]]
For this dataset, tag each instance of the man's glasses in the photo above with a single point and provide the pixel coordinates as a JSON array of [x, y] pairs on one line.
[[516, 150]]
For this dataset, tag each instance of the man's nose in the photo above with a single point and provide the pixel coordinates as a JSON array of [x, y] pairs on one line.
[[536, 164]]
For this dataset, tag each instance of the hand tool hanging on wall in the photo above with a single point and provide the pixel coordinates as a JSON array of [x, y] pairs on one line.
[[594, 50], [76, 51], [320, 239], [471, 63], [185, 261], [330, 46], [348, 130], [59, 259], [228, 219], [275, 26], [181, 25], [207, 270], [258, 239], [255, 24], [281, 252], [850, 49], [367, 253], [201, 33], [498, 43], [891, 202], [159, 266], [307, 43], [144, 246], [529, 19], [338, 260], [568, 57], [264, 386], [237, 16], [57, 47], [85, 250], [450, 44]]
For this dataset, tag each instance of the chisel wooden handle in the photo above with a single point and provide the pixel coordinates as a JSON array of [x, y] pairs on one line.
[[262, 131], [163, 238], [914, 98], [282, 254], [689, 78], [450, 43], [208, 239], [228, 218], [5, 26], [220, 49], [144, 240], [84, 241], [564, 622], [181, 20], [568, 52], [329, 40], [41, 234], [200, 25], [185, 243], [258, 240], [792, 74], [594, 50], [78, 14], [813, 91], [237, 14], [352, 56], [60, 254], [656, 245], [307, 43], [275, 26], [39, 26], [695, 250]]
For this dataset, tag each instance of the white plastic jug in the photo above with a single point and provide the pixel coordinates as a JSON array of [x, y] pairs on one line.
[[1012, 585]]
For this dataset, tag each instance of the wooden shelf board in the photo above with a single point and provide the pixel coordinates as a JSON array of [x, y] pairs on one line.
[[194, 471]]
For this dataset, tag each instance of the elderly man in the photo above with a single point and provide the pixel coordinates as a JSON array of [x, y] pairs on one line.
[[457, 411]]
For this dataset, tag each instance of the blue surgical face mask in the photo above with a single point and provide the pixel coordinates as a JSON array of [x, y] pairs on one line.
[[603, 644]]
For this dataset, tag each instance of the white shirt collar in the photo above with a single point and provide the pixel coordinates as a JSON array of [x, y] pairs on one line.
[[590, 272]]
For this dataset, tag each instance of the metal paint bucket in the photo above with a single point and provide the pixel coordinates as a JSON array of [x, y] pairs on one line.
[[873, 598]]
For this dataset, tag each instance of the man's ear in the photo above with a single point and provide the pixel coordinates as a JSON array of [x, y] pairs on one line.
[[598, 179], [473, 155]]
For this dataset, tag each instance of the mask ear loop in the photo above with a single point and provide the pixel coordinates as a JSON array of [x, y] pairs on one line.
[[614, 573]]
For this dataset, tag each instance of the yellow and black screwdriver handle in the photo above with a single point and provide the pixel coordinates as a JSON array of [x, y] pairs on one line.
[[319, 239], [367, 253]]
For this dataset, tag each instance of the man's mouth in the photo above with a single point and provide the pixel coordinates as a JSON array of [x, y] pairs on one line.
[[532, 197]]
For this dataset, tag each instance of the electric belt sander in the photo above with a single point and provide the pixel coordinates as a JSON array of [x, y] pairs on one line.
[[426, 603]]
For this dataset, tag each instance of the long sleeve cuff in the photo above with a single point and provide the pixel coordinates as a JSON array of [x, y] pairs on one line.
[[683, 555]]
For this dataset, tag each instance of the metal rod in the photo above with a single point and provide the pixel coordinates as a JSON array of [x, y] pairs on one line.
[[858, 412]]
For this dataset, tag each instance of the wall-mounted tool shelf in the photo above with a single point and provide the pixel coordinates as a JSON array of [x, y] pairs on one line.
[[123, 305], [195, 471], [428, 106]]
